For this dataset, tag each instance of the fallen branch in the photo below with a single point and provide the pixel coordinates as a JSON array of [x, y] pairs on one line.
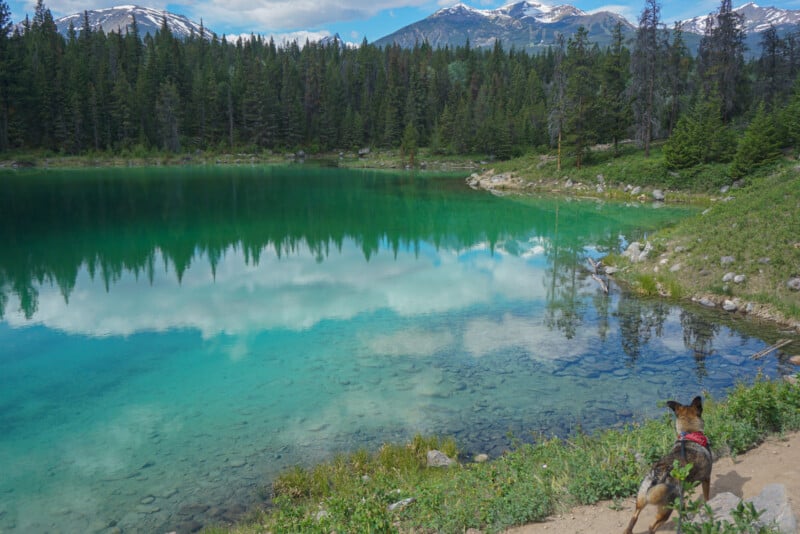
[[772, 348], [602, 283]]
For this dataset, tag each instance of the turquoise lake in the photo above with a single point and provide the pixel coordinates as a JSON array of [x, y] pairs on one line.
[[172, 338]]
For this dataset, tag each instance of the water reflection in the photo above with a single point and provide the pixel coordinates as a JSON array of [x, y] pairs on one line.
[[181, 335]]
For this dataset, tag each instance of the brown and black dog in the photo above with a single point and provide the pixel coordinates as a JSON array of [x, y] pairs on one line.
[[661, 488]]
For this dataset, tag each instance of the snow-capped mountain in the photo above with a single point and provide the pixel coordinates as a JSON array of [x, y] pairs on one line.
[[756, 19], [524, 25], [119, 18]]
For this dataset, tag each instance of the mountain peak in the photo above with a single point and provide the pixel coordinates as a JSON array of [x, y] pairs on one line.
[[119, 19]]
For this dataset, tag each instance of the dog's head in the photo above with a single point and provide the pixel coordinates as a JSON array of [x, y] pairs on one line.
[[688, 418]]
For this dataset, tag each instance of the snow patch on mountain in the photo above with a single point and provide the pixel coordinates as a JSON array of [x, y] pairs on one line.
[[756, 18]]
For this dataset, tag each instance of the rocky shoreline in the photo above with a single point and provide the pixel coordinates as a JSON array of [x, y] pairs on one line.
[[638, 254]]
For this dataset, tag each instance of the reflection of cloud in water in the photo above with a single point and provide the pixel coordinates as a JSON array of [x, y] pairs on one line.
[[292, 292], [484, 336], [416, 342]]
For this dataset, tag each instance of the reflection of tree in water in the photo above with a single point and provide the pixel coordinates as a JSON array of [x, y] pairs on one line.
[[53, 226], [639, 320], [698, 336], [561, 282]]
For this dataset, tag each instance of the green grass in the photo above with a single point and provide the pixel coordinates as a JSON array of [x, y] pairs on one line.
[[352, 492], [758, 225]]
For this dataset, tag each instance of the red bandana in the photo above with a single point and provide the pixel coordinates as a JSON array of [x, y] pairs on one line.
[[697, 437]]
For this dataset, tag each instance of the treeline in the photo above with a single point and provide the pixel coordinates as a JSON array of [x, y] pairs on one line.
[[124, 93]]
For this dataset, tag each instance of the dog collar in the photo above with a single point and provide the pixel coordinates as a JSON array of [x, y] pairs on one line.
[[697, 437]]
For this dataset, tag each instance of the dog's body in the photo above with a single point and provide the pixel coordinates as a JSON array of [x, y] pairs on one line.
[[661, 488]]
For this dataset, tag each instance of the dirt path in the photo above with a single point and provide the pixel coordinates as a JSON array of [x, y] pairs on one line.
[[777, 460]]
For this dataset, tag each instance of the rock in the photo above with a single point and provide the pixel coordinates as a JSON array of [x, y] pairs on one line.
[[147, 509], [707, 302], [658, 195], [321, 514], [633, 251], [300, 154], [775, 503], [439, 459], [600, 189], [724, 189], [679, 249], [238, 462], [772, 503], [794, 284], [363, 152], [147, 500], [791, 379], [401, 504], [601, 179], [721, 507], [675, 268], [568, 183], [481, 458], [726, 260], [636, 190], [729, 306], [728, 277], [795, 360], [610, 269], [739, 278], [764, 260]]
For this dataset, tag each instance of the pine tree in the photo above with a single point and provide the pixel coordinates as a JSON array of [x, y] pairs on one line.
[[646, 70], [614, 116], [760, 144], [556, 117], [720, 58], [6, 74], [581, 94]]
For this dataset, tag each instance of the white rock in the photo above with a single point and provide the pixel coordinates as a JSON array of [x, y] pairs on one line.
[[739, 278]]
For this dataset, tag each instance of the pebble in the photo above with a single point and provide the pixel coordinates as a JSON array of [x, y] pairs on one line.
[[795, 360], [239, 462], [147, 500]]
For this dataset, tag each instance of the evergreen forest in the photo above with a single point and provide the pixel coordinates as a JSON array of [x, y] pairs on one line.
[[127, 94]]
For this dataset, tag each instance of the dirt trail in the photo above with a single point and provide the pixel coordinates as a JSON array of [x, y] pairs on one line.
[[776, 461]]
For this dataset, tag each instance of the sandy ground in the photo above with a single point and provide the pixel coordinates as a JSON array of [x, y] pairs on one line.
[[777, 460]]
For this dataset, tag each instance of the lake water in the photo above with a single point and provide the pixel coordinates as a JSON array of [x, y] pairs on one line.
[[170, 339]]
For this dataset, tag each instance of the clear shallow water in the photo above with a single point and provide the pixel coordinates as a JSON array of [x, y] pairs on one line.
[[171, 339]]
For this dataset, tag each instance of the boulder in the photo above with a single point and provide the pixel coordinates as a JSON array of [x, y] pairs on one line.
[[658, 195], [739, 278], [729, 306], [439, 459], [794, 284], [772, 503], [727, 260], [401, 504], [775, 503], [727, 277]]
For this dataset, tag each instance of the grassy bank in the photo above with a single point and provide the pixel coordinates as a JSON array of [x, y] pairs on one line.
[[752, 231], [353, 493]]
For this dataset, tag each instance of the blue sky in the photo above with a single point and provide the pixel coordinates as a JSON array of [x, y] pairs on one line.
[[352, 19]]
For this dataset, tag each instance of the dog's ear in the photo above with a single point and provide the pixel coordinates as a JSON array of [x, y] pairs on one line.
[[673, 405], [697, 403]]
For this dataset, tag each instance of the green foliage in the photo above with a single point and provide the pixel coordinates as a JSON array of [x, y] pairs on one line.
[[352, 493], [760, 144], [699, 137]]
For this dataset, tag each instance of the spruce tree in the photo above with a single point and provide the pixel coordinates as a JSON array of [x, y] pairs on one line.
[[760, 144]]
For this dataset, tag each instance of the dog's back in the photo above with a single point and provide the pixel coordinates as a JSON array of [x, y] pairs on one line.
[[659, 487]]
